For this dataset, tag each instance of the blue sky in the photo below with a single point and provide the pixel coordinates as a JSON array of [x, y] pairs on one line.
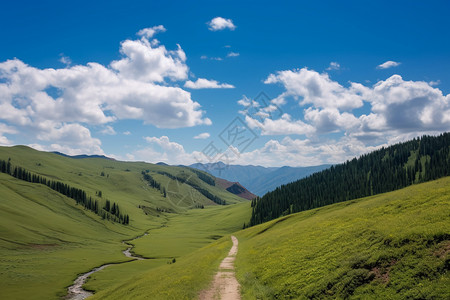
[[170, 80]]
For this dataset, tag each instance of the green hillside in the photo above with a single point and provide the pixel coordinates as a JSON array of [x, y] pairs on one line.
[[387, 169], [390, 246], [46, 239]]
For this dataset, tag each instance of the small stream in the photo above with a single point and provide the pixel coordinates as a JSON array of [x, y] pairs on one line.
[[76, 291]]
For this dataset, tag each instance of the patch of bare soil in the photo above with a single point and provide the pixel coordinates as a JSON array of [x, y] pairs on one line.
[[382, 273]]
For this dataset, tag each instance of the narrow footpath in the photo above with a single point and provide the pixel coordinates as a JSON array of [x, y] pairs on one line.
[[224, 285]]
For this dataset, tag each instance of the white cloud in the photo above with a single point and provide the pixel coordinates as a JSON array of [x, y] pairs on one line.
[[217, 58], [434, 82], [5, 129], [202, 83], [163, 150], [330, 120], [397, 107], [407, 106], [282, 126], [316, 89], [126, 132], [220, 23], [388, 64], [108, 130], [233, 54], [147, 63], [334, 66], [65, 59], [42, 102], [151, 31], [202, 136], [72, 139]]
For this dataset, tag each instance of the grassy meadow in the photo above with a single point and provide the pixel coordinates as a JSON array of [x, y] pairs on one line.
[[46, 239]]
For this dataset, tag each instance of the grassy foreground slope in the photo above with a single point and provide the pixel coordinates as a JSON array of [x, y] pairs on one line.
[[390, 246], [45, 241]]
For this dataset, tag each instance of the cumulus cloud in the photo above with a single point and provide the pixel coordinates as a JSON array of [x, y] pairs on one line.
[[43, 102], [151, 31], [316, 89], [202, 83], [220, 23], [202, 136], [396, 107], [282, 126], [388, 64], [72, 139], [330, 120], [148, 63], [407, 106]]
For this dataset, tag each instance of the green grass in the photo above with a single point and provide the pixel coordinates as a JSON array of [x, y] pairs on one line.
[[181, 236], [46, 240], [181, 280], [391, 246]]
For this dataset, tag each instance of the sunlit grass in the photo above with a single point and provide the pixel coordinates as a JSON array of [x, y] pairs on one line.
[[382, 247]]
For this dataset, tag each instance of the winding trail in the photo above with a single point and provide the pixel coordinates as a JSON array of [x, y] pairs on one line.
[[224, 285], [76, 291]]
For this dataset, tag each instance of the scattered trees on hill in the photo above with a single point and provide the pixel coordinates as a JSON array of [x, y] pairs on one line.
[[203, 176], [153, 183], [77, 194], [195, 186], [419, 160]]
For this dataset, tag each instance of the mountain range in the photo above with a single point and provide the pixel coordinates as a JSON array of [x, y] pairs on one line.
[[257, 179]]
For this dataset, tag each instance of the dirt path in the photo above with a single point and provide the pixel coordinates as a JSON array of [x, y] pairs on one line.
[[224, 285]]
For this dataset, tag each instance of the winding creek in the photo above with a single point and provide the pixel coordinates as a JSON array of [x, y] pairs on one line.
[[76, 291]]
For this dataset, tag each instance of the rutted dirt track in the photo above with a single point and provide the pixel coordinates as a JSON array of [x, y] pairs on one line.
[[224, 286]]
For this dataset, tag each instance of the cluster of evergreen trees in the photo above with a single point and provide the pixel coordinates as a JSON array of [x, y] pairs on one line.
[[77, 194], [419, 160], [201, 190], [114, 213], [153, 183]]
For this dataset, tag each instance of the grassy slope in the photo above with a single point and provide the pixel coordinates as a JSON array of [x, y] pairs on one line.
[[391, 246], [45, 239]]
